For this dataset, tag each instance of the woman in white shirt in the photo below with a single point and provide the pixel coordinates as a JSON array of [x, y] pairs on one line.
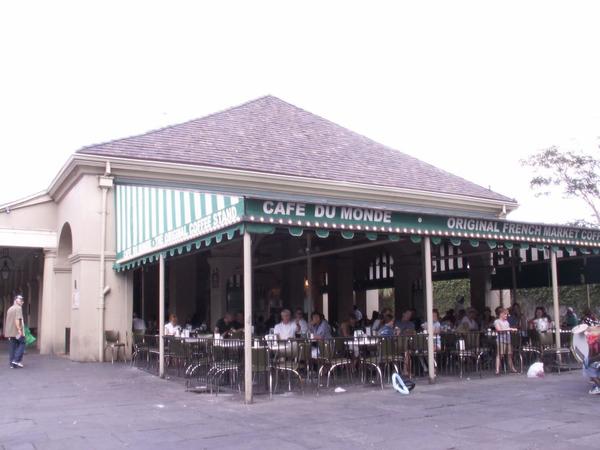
[[540, 322]]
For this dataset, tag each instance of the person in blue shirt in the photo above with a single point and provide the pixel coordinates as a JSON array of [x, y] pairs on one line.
[[319, 326], [389, 323]]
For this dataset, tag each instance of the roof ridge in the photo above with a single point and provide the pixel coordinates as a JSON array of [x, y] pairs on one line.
[[156, 130]]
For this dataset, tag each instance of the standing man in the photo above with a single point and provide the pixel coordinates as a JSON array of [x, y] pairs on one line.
[[15, 333]]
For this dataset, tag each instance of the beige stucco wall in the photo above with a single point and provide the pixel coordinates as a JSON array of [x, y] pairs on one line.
[[76, 265], [81, 208], [35, 216]]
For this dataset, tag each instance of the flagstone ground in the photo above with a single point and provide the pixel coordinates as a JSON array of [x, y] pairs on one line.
[[54, 403]]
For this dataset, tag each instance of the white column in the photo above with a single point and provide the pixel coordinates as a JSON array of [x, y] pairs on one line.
[[555, 298], [513, 291], [105, 183], [142, 311], [428, 287], [309, 277], [161, 316], [247, 317], [46, 331]]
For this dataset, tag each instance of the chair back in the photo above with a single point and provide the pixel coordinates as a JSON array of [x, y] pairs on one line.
[[340, 345], [420, 343], [403, 344], [386, 348], [448, 341], [237, 334], [138, 339], [471, 340], [546, 339], [326, 349], [260, 359], [177, 348], [111, 336], [303, 352], [515, 340]]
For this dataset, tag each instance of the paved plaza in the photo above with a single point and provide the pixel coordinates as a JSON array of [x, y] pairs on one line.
[[56, 403]]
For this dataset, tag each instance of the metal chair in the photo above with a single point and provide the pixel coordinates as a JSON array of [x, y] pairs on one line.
[[111, 338], [292, 360], [177, 354], [468, 349], [548, 349], [227, 355], [199, 364], [139, 346], [261, 365], [332, 354]]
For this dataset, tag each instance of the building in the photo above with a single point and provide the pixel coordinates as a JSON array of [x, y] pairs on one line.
[[254, 208]]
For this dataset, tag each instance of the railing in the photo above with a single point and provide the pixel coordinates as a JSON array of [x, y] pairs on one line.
[[211, 365]]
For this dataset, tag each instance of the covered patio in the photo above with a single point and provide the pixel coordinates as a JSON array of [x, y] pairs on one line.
[[259, 256]]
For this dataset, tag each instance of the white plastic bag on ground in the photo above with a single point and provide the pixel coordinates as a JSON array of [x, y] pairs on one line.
[[536, 370]]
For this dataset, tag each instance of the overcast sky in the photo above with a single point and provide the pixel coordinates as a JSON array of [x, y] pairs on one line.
[[470, 86]]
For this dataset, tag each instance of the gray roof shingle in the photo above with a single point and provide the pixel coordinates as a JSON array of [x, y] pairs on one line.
[[269, 135]]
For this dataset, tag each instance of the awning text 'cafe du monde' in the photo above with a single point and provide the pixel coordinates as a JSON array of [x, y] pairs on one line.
[[327, 216]]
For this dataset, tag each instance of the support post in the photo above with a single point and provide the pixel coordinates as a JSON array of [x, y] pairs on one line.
[[47, 313], [161, 316], [247, 317], [513, 291], [428, 288], [554, 270], [142, 311], [309, 277]]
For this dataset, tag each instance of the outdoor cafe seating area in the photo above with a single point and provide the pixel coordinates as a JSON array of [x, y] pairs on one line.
[[304, 364]]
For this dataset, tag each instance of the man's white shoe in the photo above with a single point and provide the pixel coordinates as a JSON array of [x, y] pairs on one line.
[[595, 390], [18, 364]]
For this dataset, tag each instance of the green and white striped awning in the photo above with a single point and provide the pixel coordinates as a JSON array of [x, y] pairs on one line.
[[156, 219]]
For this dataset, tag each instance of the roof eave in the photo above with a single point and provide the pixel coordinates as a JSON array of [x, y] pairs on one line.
[[147, 169]]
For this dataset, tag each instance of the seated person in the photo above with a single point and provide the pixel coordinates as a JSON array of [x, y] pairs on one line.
[[571, 319], [286, 329], [437, 326], [260, 327], [319, 327], [406, 324], [487, 320], [449, 320], [541, 321], [469, 322], [139, 326], [171, 327], [379, 322], [348, 325], [414, 317], [389, 323], [238, 323], [374, 319], [301, 324], [225, 325]]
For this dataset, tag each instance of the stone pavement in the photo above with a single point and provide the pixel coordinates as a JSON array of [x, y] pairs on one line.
[[57, 404]]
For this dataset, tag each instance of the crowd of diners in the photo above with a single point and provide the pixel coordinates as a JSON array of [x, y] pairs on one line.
[[287, 324], [385, 323]]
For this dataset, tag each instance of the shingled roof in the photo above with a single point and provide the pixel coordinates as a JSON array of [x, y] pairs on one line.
[[269, 135]]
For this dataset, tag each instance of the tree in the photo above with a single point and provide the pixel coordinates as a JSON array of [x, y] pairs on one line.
[[576, 173]]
